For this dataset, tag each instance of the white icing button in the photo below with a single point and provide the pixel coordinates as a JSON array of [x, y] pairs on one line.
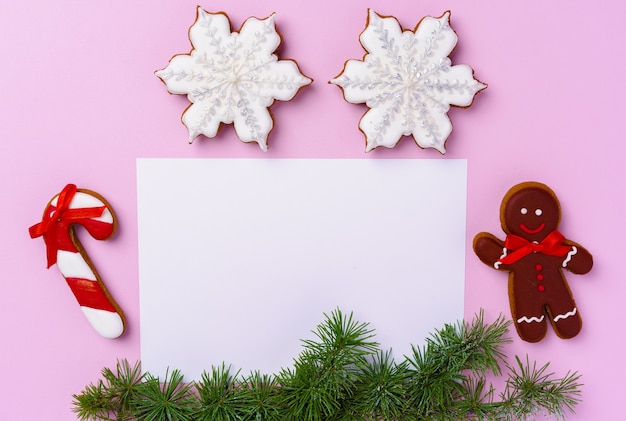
[[232, 77], [408, 82]]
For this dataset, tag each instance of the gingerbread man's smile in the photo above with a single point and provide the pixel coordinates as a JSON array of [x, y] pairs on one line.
[[532, 231]]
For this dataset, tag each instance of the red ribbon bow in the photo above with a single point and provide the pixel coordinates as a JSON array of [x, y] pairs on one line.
[[55, 224], [552, 245]]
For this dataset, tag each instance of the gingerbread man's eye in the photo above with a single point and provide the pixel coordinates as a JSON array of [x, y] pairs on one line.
[[538, 212], [523, 211]]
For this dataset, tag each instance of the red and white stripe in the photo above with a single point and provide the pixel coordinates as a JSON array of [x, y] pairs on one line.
[[79, 208]]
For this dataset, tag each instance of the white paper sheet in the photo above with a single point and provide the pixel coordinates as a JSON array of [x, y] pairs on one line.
[[240, 258]]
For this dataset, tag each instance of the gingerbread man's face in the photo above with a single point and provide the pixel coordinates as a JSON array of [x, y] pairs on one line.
[[531, 212]]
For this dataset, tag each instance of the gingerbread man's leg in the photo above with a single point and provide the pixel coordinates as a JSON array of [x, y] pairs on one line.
[[529, 315], [565, 318]]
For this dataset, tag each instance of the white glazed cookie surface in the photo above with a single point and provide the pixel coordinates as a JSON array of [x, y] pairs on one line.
[[232, 77], [407, 81]]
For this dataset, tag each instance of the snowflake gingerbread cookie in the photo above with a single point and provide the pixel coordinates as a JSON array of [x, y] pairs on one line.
[[232, 77], [535, 254], [407, 81], [83, 207]]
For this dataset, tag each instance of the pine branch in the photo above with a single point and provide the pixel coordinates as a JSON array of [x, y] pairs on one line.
[[259, 393], [476, 400], [325, 372], [483, 343], [342, 342], [342, 375], [381, 389], [123, 387], [111, 399], [169, 400], [531, 390], [437, 372], [93, 404], [219, 395]]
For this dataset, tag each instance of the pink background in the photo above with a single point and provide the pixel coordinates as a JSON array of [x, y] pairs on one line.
[[81, 103]]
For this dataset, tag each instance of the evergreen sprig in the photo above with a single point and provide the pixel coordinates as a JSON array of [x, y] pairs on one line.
[[342, 374], [530, 390], [219, 395], [168, 399], [260, 393], [112, 398], [437, 372], [382, 388], [325, 373]]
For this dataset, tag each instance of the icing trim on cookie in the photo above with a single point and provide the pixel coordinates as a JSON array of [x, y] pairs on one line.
[[565, 315], [531, 319], [498, 263], [571, 253]]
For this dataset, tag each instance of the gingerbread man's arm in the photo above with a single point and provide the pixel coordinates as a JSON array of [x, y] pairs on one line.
[[578, 260], [489, 249]]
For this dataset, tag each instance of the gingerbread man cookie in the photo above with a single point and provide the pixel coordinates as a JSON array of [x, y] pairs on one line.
[[535, 255]]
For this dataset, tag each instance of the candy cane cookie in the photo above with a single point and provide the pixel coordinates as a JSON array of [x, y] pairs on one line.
[[86, 208]]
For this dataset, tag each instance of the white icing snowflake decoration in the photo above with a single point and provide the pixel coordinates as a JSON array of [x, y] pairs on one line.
[[407, 81], [232, 77]]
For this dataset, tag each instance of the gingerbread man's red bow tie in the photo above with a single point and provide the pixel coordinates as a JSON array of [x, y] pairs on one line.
[[552, 245]]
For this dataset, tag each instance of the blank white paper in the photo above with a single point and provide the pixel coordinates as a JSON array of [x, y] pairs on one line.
[[239, 259]]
